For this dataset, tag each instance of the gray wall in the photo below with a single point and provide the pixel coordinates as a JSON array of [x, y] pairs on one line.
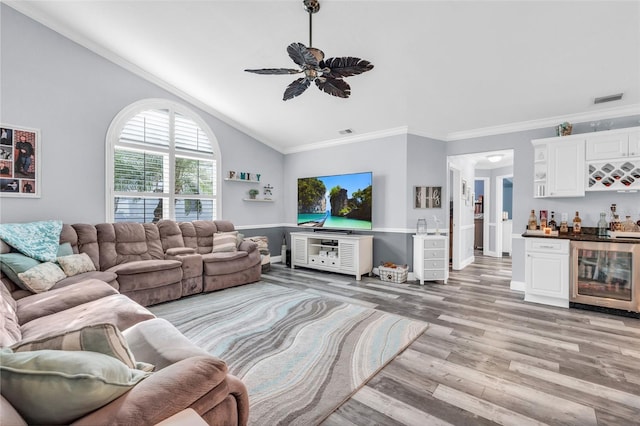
[[71, 94]]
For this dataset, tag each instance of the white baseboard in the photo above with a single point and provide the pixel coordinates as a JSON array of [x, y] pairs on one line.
[[517, 285]]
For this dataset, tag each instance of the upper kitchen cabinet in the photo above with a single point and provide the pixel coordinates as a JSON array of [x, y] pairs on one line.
[[613, 144], [559, 167]]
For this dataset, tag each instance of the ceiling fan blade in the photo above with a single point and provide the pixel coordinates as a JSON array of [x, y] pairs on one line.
[[299, 54], [296, 88], [345, 66], [275, 71], [334, 86]]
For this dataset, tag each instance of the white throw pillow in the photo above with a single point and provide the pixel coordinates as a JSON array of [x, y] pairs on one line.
[[225, 242], [76, 264], [42, 277]]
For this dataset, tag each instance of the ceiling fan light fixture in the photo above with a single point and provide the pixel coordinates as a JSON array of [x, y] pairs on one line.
[[494, 158]]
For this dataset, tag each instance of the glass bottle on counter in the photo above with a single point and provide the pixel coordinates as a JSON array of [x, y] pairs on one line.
[[577, 224], [533, 221], [552, 222], [543, 220], [603, 226], [564, 226]]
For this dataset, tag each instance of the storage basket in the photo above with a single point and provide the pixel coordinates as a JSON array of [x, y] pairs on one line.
[[393, 275]]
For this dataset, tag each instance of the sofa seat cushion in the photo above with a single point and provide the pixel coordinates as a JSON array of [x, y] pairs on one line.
[[116, 309], [58, 300], [229, 262], [147, 274], [57, 387]]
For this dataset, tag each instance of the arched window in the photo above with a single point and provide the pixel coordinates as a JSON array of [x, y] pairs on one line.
[[162, 163]]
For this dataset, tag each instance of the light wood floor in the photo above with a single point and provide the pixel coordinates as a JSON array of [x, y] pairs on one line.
[[487, 356]]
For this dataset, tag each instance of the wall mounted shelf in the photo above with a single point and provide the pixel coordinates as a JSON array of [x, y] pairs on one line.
[[242, 180], [257, 200]]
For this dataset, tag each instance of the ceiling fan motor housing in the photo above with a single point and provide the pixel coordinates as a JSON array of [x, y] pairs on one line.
[[311, 6]]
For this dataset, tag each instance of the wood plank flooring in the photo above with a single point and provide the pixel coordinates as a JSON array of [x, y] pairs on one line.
[[488, 357]]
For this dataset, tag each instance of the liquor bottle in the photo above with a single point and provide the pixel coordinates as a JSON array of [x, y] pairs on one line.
[[564, 226], [533, 222], [543, 220], [602, 225], [577, 224], [552, 222]]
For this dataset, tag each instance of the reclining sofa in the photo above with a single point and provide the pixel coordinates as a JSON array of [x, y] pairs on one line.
[[153, 263], [131, 266]]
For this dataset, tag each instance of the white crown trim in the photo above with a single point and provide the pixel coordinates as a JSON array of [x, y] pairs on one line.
[[348, 140]]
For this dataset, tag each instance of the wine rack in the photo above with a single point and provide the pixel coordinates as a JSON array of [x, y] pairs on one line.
[[621, 175]]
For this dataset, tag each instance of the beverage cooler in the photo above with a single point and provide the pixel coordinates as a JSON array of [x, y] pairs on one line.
[[605, 274]]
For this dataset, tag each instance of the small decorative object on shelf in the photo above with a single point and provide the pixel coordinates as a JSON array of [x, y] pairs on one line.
[[253, 193], [564, 129], [267, 191], [232, 174]]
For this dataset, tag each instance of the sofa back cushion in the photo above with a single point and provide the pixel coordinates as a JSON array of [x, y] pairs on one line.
[[154, 243], [121, 243], [86, 242], [170, 234], [9, 326]]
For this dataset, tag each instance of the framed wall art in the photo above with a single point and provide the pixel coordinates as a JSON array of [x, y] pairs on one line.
[[427, 197], [19, 161]]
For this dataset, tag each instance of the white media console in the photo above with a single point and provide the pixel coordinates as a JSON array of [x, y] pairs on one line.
[[342, 253]]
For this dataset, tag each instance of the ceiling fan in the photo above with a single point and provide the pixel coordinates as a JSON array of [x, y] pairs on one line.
[[327, 74]]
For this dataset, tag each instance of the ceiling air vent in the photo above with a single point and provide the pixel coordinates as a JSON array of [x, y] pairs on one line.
[[608, 98], [345, 132]]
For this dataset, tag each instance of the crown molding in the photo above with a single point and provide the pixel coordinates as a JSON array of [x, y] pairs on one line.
[[600, 114], [348, 140]]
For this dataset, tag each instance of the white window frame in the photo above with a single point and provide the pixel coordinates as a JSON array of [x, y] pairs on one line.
[[113, 136]]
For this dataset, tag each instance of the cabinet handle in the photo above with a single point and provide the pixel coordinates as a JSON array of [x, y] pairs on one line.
[[549, 247]]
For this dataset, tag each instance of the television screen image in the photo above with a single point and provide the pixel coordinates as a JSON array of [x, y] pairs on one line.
[[335, 202]]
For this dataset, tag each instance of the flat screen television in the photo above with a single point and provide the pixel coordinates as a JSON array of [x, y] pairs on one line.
[[335, 202]]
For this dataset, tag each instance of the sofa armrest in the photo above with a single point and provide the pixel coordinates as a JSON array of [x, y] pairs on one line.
[[176, 251], [247, 246], [61, 299], [164, 393], [158, 342]]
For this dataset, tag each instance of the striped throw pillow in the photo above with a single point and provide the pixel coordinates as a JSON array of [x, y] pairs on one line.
[[102, 338], [225, 242]]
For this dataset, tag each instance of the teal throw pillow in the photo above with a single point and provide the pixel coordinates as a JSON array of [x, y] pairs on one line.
[[58, 387], [64, 249], [39, 240], [13, 264]]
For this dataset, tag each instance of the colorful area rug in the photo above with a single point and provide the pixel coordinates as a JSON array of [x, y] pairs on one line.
[[300, 354]]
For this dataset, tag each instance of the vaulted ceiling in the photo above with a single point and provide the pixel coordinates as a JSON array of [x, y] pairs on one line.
[[443, 69]]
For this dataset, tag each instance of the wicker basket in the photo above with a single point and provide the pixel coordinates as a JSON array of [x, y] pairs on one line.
[[393, 275]]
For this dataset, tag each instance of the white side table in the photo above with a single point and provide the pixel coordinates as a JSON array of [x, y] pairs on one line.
[[431, 258]]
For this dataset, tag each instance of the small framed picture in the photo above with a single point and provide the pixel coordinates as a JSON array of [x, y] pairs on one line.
[[20, 161], [427, 197]]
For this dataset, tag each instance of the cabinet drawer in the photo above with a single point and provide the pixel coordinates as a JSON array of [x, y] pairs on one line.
[[433, 254], [434, 264], [429, 244], [433, 275], [547, 245]]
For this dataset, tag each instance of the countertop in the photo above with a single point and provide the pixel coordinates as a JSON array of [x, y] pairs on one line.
[[588, 234]]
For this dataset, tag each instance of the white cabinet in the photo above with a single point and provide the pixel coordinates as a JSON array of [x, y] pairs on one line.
[[430, 258], [559, 167], [345, 254], [547, 271], [613, 144]]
